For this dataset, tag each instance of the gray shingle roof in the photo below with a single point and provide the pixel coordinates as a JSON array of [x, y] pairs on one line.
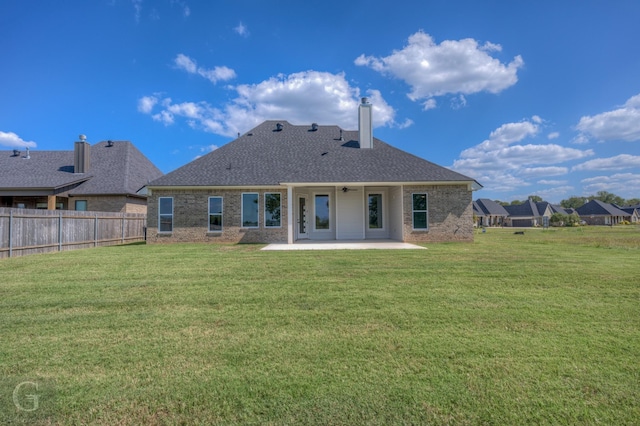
[[298, 154], [526, 209], [598, 208], [119, 169], [491, 208]]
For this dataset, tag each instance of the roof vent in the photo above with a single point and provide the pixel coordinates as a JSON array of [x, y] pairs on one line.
[[82, 138], [109, 144], [314, 126], [278, 127], [16, 152], [341, 136], [27, 155]]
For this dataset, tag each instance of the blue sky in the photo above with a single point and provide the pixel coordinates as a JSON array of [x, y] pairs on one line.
[[526, 97]]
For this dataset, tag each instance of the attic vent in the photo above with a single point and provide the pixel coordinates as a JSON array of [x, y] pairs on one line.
[[16, 152], [109, 144], [341, 136], [278, 127], [27, 155], [314, 126]]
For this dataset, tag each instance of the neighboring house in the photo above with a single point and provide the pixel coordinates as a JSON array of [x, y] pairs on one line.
[[528, 215], [490, 213], [282, 183], [596, 212], [553, 208], [633, 211], [107, 176]]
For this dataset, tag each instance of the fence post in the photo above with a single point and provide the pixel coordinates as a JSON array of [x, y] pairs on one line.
[[60, 231], [95, 231], [123, 222], [10, 232]]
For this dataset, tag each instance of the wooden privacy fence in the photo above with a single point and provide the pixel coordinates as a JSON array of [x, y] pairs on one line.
[[26, 231]]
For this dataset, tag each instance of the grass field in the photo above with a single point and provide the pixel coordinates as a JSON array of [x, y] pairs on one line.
[[541, 328]]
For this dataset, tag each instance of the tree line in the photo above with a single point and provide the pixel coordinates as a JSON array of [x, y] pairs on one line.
[[576, 201]]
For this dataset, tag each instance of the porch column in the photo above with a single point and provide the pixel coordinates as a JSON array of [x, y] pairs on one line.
[[51, 202], [290, 207]]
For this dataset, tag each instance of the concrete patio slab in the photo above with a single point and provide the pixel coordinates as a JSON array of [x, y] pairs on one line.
[[345, 245]]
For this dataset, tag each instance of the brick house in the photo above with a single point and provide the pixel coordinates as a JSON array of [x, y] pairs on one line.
[[282, 183], [107, 176], [596, 212]]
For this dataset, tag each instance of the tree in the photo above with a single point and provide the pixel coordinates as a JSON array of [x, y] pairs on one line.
[[536, 198], [573, 202], [632, 202], [516, 202], [557, 219], [607, 197]]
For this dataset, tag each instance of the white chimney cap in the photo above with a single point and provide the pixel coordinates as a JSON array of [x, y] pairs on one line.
[[82, 138]]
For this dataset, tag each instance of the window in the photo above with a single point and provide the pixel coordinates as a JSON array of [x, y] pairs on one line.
[[272, 210], [419, 208], [215, 214], [322, 211], [375, 211], [250, 209], [81, 205], [165, 210]]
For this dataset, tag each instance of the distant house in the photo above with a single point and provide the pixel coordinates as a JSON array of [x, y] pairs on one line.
[[106, 176], [527, 214], [489, 213], [633, 211], [283, 183], [596, 212]]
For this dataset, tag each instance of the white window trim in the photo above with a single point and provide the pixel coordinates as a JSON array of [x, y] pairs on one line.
[[330, 228], [382, 208], [265, 210], [221, 214], [242, 210], [159, 216], [413, 225]]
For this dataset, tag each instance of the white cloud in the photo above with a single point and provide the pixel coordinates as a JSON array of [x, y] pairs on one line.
[[214, 75], [504, 163], [146, 104], [451, 67], [553, 135], [458, 102], [622, 184], [429, 104], [303, 97], [534, 172], [12, 140], [620, 124], [242, 30], [552, 182], [137, 7], [619, 162]]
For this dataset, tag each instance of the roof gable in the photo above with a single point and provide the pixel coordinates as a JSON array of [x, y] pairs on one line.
[[599, 208], [526, 209], [491, 208], [117, 169], [300, 154]]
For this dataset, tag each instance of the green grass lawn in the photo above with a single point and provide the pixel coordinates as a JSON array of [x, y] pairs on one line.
[[541, 328]]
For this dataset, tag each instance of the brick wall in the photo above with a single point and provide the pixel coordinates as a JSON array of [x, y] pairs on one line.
[[111, 203], [450, 214], [191, 217]]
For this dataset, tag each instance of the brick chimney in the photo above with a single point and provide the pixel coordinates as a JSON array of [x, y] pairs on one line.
[[365, 124], [81, 155]]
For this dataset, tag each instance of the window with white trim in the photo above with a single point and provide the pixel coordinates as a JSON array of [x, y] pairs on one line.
[[419, 211], [321, 206], [215, 214], [250, 210], [272, 208], [165, 214], [375, 211]]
